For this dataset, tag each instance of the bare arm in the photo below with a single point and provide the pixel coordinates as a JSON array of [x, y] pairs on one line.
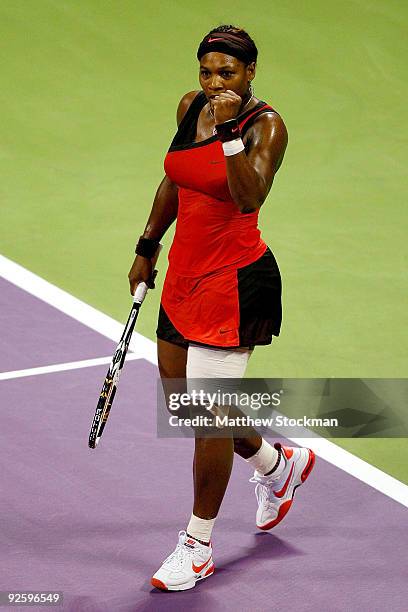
[[165, 203], [162, 215], [164, 210], [250, 174]]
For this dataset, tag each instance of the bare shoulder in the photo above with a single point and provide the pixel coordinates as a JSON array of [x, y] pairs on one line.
[[184, 104], [270, 126], [268, 138]]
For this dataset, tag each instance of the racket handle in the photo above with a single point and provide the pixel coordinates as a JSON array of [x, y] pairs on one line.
[[140, 293], [142, 288]]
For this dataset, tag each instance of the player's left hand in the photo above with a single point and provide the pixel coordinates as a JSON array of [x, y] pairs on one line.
[[226, 106]]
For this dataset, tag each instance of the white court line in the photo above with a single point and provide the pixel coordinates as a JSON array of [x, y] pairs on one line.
[[357, 467], [348, 462], [62, 367], [146, 349], [75, 308]]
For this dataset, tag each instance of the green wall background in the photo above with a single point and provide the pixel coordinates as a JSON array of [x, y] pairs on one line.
[[90, 89]]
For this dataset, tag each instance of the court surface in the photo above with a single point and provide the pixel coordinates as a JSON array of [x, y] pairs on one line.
[[97, 524]]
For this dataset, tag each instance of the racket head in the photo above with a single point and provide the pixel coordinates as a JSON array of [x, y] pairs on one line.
[[102, 410], [108, 391]]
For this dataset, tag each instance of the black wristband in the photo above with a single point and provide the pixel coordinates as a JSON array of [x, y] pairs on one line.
[[229, 130], [146, 247]]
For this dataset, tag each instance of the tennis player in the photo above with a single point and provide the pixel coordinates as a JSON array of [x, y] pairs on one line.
[[222, 291]]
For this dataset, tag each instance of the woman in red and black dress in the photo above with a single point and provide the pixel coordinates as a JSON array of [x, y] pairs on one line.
[[222, 292]]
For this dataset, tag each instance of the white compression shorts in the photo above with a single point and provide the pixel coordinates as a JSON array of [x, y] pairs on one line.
[[205, 362], [212, 363]]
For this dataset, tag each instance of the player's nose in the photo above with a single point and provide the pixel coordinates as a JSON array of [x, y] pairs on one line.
[[216, 84]]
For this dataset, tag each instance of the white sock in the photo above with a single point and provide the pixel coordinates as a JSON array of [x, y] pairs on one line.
[[200, 529], [265, 459]]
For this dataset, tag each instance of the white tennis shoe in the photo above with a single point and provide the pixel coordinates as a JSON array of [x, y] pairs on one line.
[[190, 562], [275, 493]]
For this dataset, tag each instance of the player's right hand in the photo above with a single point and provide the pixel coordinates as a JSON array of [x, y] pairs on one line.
[[141, 271]]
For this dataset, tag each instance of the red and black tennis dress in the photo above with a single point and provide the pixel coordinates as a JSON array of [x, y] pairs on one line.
[[223, 286]]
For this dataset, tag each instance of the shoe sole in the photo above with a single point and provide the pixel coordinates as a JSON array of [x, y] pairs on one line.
[[285, 507], [158, 584]]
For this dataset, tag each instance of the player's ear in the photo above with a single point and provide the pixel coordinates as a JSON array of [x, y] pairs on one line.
[[251, 70]]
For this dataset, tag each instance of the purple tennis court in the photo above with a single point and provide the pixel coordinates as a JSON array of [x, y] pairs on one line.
[[97, 524]]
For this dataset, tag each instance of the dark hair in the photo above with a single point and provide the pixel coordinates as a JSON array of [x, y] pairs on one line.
[[246, 48]]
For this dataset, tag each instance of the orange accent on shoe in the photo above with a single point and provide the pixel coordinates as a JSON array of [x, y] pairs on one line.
[[282, 492], [288, 451], [210, 570], [285, 507], [309, 467], [158, 584], [283, 510], [198, 568]]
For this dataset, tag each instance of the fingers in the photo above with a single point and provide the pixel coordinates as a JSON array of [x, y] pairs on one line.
[[228, 100], [133, 284], [228, 93], [141, 271], [228, 96], [226, 106], [151, 283], [132, 287]]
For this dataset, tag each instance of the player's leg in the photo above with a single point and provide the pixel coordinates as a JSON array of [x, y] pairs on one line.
[[278, 472], [191, 560], [172, 360], [213, 457]]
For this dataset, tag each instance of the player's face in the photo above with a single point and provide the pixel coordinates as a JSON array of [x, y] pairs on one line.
[[219, 72]]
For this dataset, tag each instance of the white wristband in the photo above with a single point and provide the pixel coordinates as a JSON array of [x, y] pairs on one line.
[[232, 147]]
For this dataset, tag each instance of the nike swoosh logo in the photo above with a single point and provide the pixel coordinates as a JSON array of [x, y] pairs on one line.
[[198, 568], [282, 492], [214, 39]]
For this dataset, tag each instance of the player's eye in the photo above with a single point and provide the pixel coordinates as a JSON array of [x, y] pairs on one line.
[[226, 74], [204, 73]]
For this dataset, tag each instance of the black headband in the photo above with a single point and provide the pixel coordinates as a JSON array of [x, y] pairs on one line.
[[230, 44]]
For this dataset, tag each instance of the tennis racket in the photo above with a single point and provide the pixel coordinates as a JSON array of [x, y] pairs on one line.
[[112, 377]]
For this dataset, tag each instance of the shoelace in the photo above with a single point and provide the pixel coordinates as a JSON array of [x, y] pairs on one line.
[[262, 493], [177, 558], [263, 489]]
